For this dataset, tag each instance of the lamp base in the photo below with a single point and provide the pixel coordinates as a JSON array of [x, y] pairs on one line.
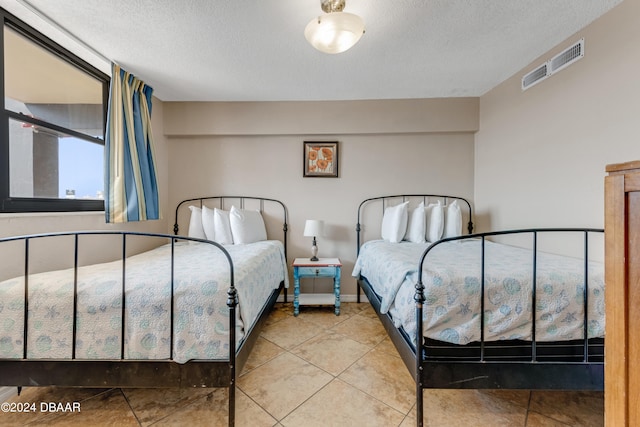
[[314, 251]]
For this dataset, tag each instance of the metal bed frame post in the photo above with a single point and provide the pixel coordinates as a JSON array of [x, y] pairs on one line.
[[419, 299], [586, 296], [482, 303], [123, 305], [232, 303], [74, 326], [534, 349], [26, 296]]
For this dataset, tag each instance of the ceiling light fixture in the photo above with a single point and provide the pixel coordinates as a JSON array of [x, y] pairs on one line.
[[336, 31]]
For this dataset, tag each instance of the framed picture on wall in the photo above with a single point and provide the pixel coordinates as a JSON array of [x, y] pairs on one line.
[[320, 159]]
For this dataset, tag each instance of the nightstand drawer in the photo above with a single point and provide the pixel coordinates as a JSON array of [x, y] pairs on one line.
[[317, 271]]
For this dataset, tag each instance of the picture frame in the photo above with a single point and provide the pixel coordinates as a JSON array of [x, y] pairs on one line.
[[320, 159]]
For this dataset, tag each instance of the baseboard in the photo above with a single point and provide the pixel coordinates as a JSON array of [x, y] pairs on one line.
[[7, 393]]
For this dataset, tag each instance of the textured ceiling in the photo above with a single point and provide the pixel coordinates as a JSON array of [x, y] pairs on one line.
[[255, 50]]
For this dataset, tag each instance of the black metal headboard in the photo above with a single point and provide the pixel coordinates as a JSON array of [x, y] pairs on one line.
[[241, 199], [406, 197]]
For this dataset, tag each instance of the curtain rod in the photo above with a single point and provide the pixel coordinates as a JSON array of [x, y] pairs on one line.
[[63, 30]]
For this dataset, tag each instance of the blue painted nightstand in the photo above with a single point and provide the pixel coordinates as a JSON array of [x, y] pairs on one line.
[[324, 267]]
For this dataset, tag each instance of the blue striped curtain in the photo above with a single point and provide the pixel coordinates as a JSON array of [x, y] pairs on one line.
[[131, 189]]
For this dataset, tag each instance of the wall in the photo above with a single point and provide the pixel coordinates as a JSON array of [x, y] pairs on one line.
[[541, 154], [386, 147]]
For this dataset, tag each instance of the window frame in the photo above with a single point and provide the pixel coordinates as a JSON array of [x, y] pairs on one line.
[[10, 204]]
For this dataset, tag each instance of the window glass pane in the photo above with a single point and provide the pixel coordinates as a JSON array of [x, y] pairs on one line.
[[42, 85], [47, 164]]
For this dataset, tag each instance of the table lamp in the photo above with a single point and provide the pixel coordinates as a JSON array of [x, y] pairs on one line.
[[313, 228]]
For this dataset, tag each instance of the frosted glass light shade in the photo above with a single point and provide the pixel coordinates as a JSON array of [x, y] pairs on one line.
[[334, 32]]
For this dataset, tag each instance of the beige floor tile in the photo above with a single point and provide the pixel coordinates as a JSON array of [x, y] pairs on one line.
[[385, 377], [209, 410], [212, 411], [262, 352], [290, 332], [351, 308], [153, 404], [362, 329], [368, 311], [387, 346], [282, 384], [331, 351], [538, 420], [478, 408], [323, 316], [107, 409], [35, 396], [410, 420], [339, 404], [280, 311], [570, 407]]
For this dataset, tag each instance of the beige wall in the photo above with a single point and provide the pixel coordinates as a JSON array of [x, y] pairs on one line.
[[541, 153], [258, 151]]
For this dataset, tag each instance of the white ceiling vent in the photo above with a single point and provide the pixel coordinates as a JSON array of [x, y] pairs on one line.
[[555, 64], [567, 57], [535, 76]]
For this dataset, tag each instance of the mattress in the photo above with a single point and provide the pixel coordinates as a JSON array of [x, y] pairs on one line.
[[200, 321], [452, 280]]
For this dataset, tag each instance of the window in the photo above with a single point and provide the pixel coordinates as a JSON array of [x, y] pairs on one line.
[[52, 125]]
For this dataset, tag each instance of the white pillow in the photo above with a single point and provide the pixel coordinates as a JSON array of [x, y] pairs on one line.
[[435, 221], [416, 230], [208, 223], [247, 226], [217, 225], [195, 223], [394, 222], [222, 227], [453, 220]]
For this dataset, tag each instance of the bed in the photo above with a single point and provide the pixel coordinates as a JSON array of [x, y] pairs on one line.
[[430, 295], [182, 311]]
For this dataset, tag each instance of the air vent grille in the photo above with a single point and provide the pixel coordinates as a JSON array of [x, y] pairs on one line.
[[534, 76], [567, 57], [555, 64]]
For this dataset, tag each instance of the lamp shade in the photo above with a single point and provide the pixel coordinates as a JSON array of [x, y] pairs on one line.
[[334, 32], [313, 228]]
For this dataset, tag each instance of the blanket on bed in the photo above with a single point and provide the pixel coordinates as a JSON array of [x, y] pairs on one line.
[[452, 276], [200, 323]]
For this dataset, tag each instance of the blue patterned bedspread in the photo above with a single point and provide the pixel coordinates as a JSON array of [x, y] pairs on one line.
[[201, 323], [452, 289]]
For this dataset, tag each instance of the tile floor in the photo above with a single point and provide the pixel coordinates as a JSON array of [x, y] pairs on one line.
[[316, 369]]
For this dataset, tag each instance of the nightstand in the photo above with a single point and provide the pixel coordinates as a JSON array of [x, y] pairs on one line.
[[324, 267]]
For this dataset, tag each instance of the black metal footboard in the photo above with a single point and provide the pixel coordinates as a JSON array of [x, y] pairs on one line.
[[121, 372], [572, 365]]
